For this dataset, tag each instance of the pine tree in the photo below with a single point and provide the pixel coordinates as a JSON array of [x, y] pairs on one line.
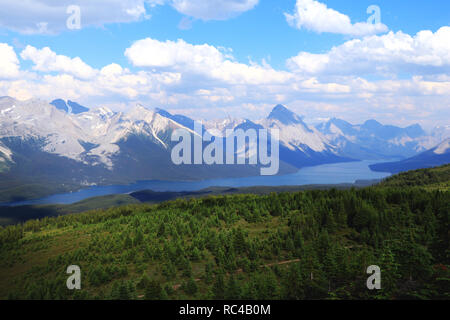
[[144, 282], [153, 291], [208, 273], [123, 291], [191, 287], [219, 287], [232, 291]]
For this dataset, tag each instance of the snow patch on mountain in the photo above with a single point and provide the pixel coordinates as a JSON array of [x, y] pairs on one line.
[[441, 133], [443, 148], [5, 153], [219, 127], [297, 135]]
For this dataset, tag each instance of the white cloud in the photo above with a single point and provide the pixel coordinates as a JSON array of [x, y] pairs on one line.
[[210, 83], [315, 16], [153, 53], [9, 64], [62, 76], [50, 16], [46, 60], [389, 54], [213, 9], [204, 60]]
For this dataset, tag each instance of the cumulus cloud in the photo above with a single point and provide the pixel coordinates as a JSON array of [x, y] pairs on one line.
[[315, 16], [213, 9], [9, 64], [425, 53], [56, 75], [204, 60], [182, 76], [46, 60], [49, 16]]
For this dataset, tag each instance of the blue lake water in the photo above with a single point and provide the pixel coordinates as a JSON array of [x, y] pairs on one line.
[[337, 173]]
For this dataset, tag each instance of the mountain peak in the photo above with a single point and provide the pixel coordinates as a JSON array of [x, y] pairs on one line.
[[339, 122], [7, 99], [178, 118], [248, 124], [372, 124], [337, 126], [139, 112], [284, 115], [139, 107], [104, 112], [163, 113], [280, 107], [415, 131]]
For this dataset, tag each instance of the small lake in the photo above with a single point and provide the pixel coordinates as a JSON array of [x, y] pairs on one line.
[[348, 172]]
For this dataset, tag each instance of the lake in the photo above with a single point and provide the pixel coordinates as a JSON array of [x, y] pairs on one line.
[[348, 172]]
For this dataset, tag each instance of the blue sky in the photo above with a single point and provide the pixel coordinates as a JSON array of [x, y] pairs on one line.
[[272, 60], [258, 33]]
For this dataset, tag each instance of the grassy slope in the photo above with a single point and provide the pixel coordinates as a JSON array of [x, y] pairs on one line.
[[52, 242], [431, 179]]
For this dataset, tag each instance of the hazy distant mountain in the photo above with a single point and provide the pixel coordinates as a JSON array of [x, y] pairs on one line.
[[441, 133], [437, 156], [373, 140]]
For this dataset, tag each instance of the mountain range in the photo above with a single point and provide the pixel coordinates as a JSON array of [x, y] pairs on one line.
[[372, 140], [63, 145], [437, 156]]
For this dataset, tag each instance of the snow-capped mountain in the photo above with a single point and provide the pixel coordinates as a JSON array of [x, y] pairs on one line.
[[93, 137], [441, 133], [63, 143], [43, 145], [372, 140], [180, 119], [219, 127], [437, 156], [90, 137], [300, 145], [285, 116], [294, 133]]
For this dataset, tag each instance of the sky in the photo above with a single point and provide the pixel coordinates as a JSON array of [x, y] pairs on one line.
[[356, 60]]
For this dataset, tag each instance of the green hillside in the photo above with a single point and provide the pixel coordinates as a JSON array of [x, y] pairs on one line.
[[432, 179], [314, 244]]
